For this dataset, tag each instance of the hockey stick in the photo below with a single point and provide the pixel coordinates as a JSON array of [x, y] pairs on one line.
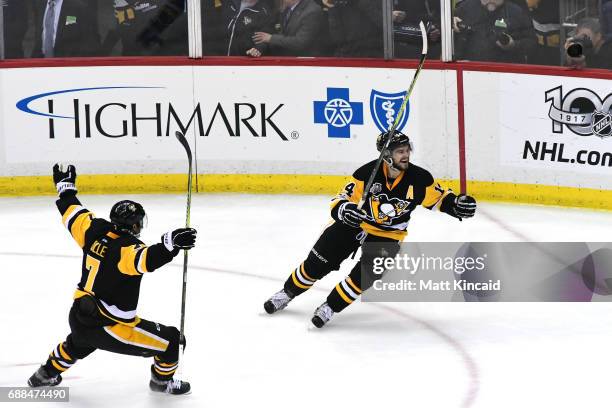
[[183, 141], [397, 118]]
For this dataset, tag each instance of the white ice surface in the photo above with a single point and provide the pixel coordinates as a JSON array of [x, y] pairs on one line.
[[438, 355]]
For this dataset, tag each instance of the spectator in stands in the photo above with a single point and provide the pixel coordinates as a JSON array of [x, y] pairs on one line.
[[247, 18], [302, 26], [593, 51], [492, 30], [66, 28], [606, 19], [545, 18], [214, 27], [149, 27], [406, 17], [355, 27], [15, 27]]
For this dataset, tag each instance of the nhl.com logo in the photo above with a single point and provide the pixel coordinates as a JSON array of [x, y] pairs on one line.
[[581, 110]]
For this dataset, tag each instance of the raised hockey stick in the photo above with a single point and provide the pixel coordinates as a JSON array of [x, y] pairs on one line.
[[183, 141], [368, 186]]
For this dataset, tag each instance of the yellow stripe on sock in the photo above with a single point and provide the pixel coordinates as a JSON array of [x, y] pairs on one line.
[[63, 353], [297, 283], [164, 373], [165, 364], [352, 285], [345, 297], [303, 270], [59, 367]]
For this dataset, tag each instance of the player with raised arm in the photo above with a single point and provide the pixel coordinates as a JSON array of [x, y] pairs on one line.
[[399, 186], [103, 315]]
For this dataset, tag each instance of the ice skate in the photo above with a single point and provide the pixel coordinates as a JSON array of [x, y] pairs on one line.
[[171, 386], [41, 378], [278, 301], [322, 315]]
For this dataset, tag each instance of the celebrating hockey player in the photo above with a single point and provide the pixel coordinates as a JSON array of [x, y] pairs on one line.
[[103, 315], [399, 187]]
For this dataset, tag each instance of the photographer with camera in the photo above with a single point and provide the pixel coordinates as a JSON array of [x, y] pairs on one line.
[[355, 27], [492, 30], [588, 47]]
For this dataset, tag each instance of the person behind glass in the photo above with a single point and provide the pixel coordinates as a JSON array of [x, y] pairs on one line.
[[492, 30], [66, 28], [150, 27], [545, 18], [214, 27], [15, 27], [587, 48], [247, 18], [606, 19], [355, 27], [406, 17], [302, 23]]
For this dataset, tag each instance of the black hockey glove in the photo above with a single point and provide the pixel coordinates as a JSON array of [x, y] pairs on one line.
[[464, 206], [64, 180], [182, 238], [461, 206], [350, 215]]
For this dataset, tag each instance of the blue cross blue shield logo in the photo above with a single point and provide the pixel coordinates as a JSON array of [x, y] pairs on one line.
[[338, 113], [384, 108]]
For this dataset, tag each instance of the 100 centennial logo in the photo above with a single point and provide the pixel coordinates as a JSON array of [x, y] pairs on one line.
[[581, 110]]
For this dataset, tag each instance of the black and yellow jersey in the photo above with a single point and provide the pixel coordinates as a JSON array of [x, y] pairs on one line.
[[391, 202], [113, 262]]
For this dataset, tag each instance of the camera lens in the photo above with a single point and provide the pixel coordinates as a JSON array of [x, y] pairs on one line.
[[575, 50]]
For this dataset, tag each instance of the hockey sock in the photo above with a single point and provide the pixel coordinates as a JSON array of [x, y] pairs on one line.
[[345, 293], [299, 281], [59, 360], [163, 370]]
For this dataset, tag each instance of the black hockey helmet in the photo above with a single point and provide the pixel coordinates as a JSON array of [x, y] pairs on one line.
[[399, 139], [128, 216]]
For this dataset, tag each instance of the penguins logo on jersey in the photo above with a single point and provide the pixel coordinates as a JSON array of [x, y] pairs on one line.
[[384, 209]]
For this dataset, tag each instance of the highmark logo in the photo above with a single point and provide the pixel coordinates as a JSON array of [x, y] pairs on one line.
[[92, 111], [338, 112]]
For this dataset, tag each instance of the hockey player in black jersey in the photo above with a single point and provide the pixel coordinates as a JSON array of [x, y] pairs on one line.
[[399, 187], [103, 315]]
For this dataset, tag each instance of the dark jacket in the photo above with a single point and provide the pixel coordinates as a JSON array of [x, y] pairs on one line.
[[603, 58], [356, 29], [15, 27], [151, 27], [478, 42], [606, 18], [419, 10], [77, 30], [244, 23], [303, 34]]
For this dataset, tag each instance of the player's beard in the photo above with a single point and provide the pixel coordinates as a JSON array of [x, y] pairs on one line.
[[402, 166]]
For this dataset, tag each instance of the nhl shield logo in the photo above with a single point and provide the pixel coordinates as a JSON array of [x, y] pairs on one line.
[[602, 124], [376, 188], [384, 108]]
